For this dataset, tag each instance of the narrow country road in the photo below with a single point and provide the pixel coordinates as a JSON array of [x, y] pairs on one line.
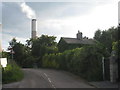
[[48, 78]]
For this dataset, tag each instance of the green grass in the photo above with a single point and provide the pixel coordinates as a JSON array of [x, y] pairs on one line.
[[11, 73]]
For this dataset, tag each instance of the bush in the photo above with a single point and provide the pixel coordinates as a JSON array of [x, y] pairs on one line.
[[85, 61], [11, 73], [29, 62]]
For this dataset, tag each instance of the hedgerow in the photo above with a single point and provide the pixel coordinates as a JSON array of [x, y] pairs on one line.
[[11, 73], [85, 61]]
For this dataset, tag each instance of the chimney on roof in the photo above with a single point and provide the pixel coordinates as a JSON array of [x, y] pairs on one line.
[[79, 35]]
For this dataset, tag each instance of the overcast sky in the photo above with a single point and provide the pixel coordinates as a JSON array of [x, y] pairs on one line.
[[61, 19]]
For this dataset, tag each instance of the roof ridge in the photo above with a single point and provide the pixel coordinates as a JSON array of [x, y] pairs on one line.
[[78, 41], [69, 37]]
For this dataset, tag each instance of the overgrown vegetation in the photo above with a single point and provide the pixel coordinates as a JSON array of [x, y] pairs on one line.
[[27, 55], [107, 37], [11, 73], [85, 61], [79, 59], [116, 47]]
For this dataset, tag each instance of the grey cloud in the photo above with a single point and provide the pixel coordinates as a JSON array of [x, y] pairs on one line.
[[11, 15], [0, 12], [45, 10], [7, 38], [14, 22], [60, 10]]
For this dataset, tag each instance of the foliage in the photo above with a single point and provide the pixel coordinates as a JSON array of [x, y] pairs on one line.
[[11, 73], [22, 54], [31, 53], [43, 45], [5, 55], [19, 53], [116, 47], [107, 37], [85, 61], [29, 62], [98, 34]]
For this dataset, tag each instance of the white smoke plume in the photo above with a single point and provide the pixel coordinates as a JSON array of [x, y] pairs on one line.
[[28, 11]]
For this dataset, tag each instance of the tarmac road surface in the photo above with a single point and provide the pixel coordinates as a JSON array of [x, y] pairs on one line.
[[49, 78]]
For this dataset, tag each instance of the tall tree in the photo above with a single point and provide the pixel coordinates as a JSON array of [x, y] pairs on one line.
[[98, 34], [43, 45], [107, 37], [22, 53]]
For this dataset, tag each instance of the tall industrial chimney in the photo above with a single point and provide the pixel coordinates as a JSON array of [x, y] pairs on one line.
[[34, 28]]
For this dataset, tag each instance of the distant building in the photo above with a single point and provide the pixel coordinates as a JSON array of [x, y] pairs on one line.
[[71, 43]]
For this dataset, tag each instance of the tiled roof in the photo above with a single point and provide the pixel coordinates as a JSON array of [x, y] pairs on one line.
[[78, 41]]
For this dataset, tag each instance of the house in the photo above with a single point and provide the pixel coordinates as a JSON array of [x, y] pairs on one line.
[[71, 43]]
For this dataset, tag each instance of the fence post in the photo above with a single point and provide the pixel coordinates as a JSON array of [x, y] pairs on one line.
[[103, 67]]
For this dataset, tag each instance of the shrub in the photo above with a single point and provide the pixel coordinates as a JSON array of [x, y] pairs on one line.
[[11, 73], [29, 62]]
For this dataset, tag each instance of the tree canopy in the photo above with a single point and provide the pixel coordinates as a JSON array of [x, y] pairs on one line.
[[33, 51], [107, 37]]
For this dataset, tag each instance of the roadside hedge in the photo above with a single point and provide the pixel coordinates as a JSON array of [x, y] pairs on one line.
[[85, 61], [11, 73]]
